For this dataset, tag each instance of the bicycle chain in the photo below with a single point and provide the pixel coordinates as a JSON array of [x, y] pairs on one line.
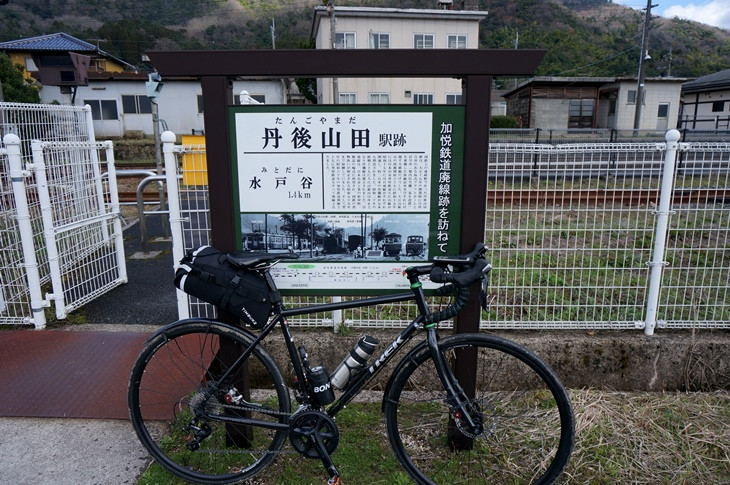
[[251, 407]]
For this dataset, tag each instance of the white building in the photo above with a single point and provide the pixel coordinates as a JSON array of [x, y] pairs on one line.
[[660, 109], [393, 28], [563, 103], [706, 102], [120, 105]]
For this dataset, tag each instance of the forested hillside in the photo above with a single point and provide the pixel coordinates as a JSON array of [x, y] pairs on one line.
[[583, 37]]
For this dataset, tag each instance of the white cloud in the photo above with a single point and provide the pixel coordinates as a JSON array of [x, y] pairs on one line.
[[715, 12]]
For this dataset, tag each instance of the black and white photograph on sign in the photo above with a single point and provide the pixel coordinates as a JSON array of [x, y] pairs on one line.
[[338, 237]]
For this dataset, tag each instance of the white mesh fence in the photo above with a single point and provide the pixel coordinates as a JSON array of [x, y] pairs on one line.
[[80, 212], [695, 284], [571, 230], [79, 195], [29, 122]]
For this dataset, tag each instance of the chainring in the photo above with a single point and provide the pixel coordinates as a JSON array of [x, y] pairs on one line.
[[306, 427]]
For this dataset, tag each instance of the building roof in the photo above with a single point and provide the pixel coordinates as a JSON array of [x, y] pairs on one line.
[[57, 42], [51, 42], [561, 81], [585, 81], [712, 82]]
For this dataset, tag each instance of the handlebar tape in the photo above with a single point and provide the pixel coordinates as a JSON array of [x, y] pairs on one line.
[[457, 283], [460, 301]]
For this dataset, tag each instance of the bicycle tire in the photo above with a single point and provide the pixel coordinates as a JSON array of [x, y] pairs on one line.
[[169, 380], [526, 414]]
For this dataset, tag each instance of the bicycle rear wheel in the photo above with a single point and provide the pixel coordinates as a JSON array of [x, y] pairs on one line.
[[178, 409], [523, 409]]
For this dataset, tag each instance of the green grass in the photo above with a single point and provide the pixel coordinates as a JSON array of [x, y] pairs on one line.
[[363, 451], [621, 437]]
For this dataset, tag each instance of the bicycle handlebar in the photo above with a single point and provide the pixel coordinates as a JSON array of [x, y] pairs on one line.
[[473, 267]]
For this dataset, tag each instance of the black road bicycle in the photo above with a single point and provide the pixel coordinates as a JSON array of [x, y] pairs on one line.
[[211, 405]]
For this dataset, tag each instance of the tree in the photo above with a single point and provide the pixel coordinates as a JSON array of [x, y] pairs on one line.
[[378, 235], [14, 88], [299, 228]]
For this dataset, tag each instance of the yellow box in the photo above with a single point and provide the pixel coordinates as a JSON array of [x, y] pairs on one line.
[[195, 163]]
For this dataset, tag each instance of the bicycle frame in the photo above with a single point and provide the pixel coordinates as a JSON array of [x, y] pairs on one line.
[[355, 385]]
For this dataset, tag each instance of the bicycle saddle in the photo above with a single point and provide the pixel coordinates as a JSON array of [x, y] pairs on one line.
[[251, 260]]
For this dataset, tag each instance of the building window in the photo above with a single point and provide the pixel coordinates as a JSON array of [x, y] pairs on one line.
[[456, 41], [580, 113], [454, 99], [261, 98], [103, 109], [345, 40], [422, 98], [379, 98], [68, 76], [379, 40], [423, 41], [718, 106], [136, 104], [663, 110], [200, 104], [348, 98], [631, 99]]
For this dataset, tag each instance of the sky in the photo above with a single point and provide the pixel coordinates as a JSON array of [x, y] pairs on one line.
[[710, 12]]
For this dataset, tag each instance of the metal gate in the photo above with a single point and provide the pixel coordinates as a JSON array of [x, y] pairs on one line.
[[81, 226], [59, 213]]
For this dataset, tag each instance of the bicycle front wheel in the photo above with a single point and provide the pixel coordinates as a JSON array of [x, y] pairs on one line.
[[184, 416], [524, 417]]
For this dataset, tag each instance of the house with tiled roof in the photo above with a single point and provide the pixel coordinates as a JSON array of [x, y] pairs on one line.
[[706, 102], [61, 56], [72, 71]]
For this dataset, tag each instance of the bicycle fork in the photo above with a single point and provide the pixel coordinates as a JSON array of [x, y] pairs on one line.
[[458, 400]]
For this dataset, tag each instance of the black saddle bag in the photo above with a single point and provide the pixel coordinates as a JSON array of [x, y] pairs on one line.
[[208, 275]]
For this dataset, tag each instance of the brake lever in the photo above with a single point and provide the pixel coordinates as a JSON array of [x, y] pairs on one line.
[[483, 302]]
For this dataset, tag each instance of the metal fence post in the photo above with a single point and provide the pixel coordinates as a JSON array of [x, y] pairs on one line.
[[54, 258], [176, 221], [662, 224], [32, 274], [114, 208]]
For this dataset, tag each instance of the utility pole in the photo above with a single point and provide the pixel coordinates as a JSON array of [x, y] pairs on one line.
[[333, 30], [643, 58], [273, 34], [669, 68]]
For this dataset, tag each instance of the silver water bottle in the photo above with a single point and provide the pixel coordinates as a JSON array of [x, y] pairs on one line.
[[355, 360]]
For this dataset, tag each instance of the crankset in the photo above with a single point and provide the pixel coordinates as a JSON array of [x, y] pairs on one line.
[[310, 427]]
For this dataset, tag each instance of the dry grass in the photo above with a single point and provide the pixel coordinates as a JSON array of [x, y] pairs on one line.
[[650, 438], [621, 438]]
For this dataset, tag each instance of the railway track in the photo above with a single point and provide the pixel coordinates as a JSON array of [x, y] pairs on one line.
[[559, 197], [604, 196], [520, 197], [148, 197]]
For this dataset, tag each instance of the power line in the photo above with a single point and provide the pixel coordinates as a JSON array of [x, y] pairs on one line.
[[595, 63]]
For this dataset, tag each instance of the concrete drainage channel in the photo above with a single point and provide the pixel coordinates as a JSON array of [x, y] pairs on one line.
[[617, 361]]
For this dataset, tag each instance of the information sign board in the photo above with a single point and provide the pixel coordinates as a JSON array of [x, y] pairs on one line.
[[359, 192]]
